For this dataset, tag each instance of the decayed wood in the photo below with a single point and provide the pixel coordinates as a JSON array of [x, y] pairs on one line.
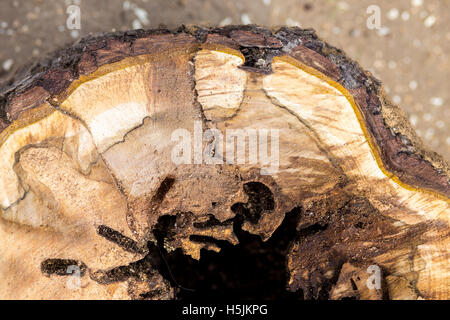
[[87, 176]]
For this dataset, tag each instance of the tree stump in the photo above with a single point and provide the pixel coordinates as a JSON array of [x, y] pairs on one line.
[[198, 162]]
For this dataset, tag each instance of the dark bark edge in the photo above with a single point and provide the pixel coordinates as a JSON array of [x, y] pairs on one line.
[[399, 148]]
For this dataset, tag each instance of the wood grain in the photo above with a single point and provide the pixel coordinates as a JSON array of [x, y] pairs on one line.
[[86, 146]]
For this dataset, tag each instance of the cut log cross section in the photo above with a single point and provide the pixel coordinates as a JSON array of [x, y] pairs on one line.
[[128, 153]]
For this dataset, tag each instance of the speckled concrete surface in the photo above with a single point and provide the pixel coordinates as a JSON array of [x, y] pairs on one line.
[[409, 52]]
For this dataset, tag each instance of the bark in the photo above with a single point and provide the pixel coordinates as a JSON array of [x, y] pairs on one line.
[[89, 186]]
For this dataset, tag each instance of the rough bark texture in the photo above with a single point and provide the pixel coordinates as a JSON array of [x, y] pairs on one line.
[[87, 180]]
